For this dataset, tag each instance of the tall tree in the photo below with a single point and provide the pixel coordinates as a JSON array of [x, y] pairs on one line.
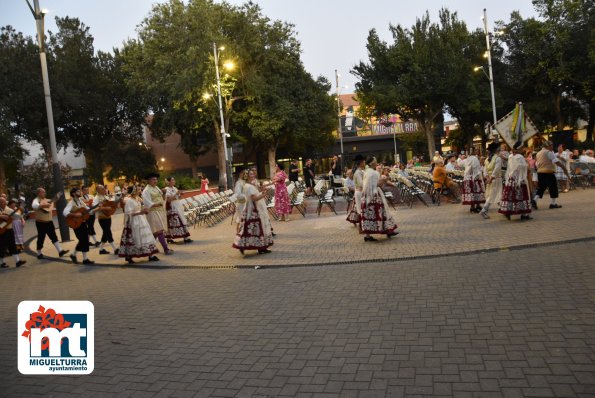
[[406, 77]]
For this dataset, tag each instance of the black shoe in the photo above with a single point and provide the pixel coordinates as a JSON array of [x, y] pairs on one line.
[[526, 217], [117, 251], [129, 260], [555, 206], [41, 257], [21, 262], [73, 258], [170, 241], [88, 262], [370, 239], [242, 251], [61, 254], [263, 251], [533, 204], [153, 258], [391, 234], [188, 240], [274, 234], [507, 216], [4, 265], [97, 244], [103, 251]]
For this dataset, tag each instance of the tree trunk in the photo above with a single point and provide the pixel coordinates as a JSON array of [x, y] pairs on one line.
[[193, 166], [591, 124], [2, 177], [558, 110], [427, 127], [271, 152]]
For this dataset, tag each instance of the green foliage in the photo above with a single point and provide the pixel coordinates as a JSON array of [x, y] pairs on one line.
[[39, 174], [131, 160], [183, 182]]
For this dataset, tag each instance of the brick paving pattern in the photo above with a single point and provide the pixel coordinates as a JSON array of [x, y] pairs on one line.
[[507, 323]]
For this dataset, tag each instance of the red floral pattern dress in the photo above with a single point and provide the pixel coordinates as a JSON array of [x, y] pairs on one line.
[[282, 203]]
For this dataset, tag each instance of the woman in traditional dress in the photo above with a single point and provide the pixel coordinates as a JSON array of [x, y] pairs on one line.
[[354, 215], [255, 231], [137, 237], [494, 178], [515, 196], [282, 203], [240, 203], [176, 220], [473, 187], [18, 225], [375, 218], [204, 185]]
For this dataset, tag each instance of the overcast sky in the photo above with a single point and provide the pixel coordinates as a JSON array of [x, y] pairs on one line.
[[332, 32]]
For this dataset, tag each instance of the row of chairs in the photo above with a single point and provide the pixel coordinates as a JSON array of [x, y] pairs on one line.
[[208, 208]]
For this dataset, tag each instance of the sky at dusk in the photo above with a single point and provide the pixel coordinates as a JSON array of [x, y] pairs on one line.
[[332, 33]]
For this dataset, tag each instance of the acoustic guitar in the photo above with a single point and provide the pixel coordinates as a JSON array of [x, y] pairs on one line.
[[50, 201], [5, 224], [75, 222], [111, 204]]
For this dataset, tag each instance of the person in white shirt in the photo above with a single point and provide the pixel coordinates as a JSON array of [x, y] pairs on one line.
[[587, 157], [546, 163], [43, 208], [76, 209], [452, 164]]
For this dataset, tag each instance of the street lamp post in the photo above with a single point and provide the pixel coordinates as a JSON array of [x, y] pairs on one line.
[[340, 131], [491, 75], [38, 14], [227, 173]]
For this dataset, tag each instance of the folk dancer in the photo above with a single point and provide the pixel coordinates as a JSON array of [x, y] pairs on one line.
[[157, 217], [282, 203], [88, 199], [255, 232], [240, 201], [75, 209], [104, 218], [137, 237], [176, 220], [494, 179], [44, 223], [546, 163], [473, 187], [375, 217], [7, 242], [18, 224], [515, 195], [354, 215]]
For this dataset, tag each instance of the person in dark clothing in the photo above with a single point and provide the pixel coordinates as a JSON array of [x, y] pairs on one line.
[[294, 170], [309, 176]]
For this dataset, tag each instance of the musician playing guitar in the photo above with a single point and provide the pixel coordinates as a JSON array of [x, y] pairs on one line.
[[105, 209], [7, 243], [88, 200], [44, 223], [77, 210]]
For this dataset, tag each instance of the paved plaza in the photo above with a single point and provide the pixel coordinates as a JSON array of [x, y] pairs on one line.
[[506, 312]]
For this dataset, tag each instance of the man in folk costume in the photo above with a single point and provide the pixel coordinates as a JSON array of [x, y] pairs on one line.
[[104, 218], [546, 163], [255, 231], [176, 220], [7, 242], [354, 215], [494, 178], [43, 208], [75, 209], [515, 195], [157, 217], [88, 199], [375, 218], [473, 187]]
